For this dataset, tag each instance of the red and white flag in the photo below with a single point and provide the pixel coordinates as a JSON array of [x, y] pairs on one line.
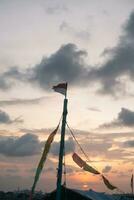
[[61, 88]]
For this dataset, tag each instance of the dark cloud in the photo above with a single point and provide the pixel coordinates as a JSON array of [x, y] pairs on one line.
[[25, 145], [5, 118], [119, 65], [69, 147], [79, 34], [12, 102], [28, 145], [67, 64], [129, 143], [3, 84], [106, 169], [125, 118]]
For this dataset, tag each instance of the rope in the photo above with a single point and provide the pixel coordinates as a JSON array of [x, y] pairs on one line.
[[86, 156], [78, 143]]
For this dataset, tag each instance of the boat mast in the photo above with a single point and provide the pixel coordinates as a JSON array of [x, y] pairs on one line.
[[61, 152]]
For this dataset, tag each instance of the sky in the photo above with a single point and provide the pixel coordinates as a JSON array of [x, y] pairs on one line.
[[90, 45]]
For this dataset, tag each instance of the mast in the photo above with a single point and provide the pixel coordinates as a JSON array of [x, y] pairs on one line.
[[132, 182], [61, 152]]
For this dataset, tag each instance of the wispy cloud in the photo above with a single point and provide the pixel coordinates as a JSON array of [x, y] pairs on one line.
[[95, 109], [125, 118], [56, 9], [12, 102], [70, 30]]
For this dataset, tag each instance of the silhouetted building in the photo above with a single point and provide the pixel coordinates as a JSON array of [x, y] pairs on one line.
[[66, 194]]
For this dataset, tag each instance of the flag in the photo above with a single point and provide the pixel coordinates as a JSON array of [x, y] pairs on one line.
[[43, 158], [78, 160], [132, 182], [108, 184], [81, 163], [90, 169], [61, 88]]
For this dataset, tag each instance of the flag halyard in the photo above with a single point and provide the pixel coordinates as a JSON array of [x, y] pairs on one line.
[[81, 163]]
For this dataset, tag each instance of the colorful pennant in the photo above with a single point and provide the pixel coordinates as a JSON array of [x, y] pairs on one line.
[[108, 184], [43, 158]]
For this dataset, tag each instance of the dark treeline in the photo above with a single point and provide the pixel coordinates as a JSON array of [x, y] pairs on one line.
[[21, 195]]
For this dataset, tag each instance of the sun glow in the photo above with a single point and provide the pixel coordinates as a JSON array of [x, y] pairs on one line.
[[84, 177]]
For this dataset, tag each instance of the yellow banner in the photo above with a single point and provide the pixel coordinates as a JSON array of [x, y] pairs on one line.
[[43, 158]]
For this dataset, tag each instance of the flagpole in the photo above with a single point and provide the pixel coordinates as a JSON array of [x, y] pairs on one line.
[[132, 182], [61, 152]]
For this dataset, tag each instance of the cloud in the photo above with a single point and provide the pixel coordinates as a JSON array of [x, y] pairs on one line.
[[29, 144], [119, 66], [97, 147], [80, 34], [3, 84], [56, 9], [12, 102], [12, 170], [125, 118], [5, 118], [26, 145], [106, 169], [129, 143], [69, 147], [11, 75], [112, 77], [105, 146], [66, 64], [94, 109]]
